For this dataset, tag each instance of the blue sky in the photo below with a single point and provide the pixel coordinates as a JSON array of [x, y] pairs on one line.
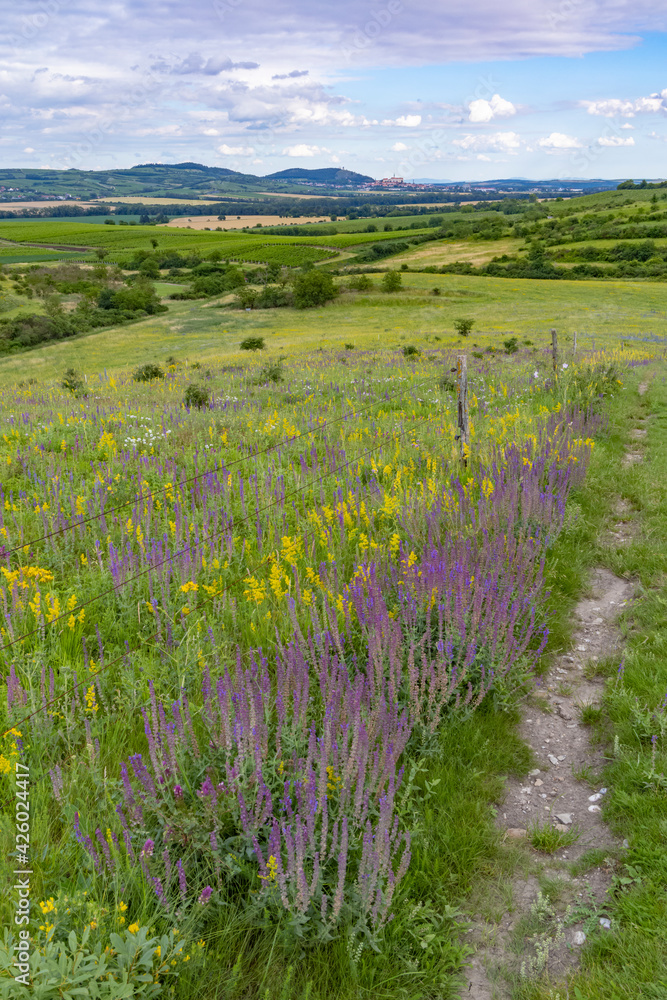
[[457, 91]]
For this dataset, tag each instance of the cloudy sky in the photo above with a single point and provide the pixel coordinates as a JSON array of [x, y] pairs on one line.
[[462, 89]]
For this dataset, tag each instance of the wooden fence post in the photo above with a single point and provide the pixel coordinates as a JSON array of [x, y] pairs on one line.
[[554, 352], [462, 400]]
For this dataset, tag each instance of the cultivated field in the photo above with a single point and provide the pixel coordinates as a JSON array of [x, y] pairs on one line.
[[238, 222]]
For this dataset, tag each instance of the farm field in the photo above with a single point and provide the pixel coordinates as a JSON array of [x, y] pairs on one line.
[[446, 251], [330, 551], [119, 241], [243, 222]]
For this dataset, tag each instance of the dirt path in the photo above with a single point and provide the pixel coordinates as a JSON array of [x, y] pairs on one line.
[[552, 905]]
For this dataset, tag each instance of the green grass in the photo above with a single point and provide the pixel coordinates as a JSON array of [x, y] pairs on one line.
[[600, 313], [548, 839], [630, 961], [457, 849]]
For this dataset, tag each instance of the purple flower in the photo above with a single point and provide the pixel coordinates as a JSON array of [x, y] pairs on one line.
[[147, 849], [182, 884], [178, 793], [205, 895]]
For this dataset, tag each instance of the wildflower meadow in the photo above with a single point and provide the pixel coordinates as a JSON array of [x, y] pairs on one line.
[[236, 624]]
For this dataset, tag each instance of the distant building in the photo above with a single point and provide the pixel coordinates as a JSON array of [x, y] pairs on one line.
[[389, 182]]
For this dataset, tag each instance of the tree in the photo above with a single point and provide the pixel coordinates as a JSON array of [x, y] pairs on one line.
[[463, 326], [154, 243], [313, 288], [150, 268], [101, 253], [391, 282]]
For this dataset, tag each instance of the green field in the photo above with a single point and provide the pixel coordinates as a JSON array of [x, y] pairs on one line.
[[119, 241], [602, 314]]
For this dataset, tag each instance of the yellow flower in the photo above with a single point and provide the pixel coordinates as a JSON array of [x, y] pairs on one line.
[[93, 925], [133, 928], [122, 906], [91, 703], [158, 951]]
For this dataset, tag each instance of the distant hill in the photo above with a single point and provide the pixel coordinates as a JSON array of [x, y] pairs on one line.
[[182, 180], [326, 175]]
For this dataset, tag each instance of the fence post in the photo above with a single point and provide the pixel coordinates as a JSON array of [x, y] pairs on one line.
[[462, 400], [554, 352]]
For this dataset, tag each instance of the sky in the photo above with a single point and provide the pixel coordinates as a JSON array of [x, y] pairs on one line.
[[462, 90]]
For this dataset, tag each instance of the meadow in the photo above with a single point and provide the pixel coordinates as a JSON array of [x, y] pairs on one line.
[[267, 626], [256, 642], [602, 315]]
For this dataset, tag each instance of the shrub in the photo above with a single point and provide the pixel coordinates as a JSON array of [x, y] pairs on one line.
[[272, 297], [146, 373], [511, 345], [349, 347], [252, 344], [360, 283], [410, 351], [463, 326], [272, 371], [196, 397], [391, 282], [314, 288], [435, 291], [72, 381]]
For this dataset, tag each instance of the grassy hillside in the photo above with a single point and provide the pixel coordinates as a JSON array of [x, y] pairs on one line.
[[602, 315]]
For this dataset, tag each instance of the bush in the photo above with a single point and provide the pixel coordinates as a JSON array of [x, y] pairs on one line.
[[410, 351], [349, 347], [435, 291], [146, 373], [511, 345], [313, 288], [196, 397], [360, 283], [272, 297], [72, 381], [463, 326], [447, 382], [272, 371], [252, 344], [391, 282]]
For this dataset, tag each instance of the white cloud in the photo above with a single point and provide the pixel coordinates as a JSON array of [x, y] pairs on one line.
[[615, 140], [404, 121], [236, 150], [627, 108], [210, 131], [485, 111], [28, 149], [494, 142], [399, 147], [303, 149], [627, 125], [558, 142]]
